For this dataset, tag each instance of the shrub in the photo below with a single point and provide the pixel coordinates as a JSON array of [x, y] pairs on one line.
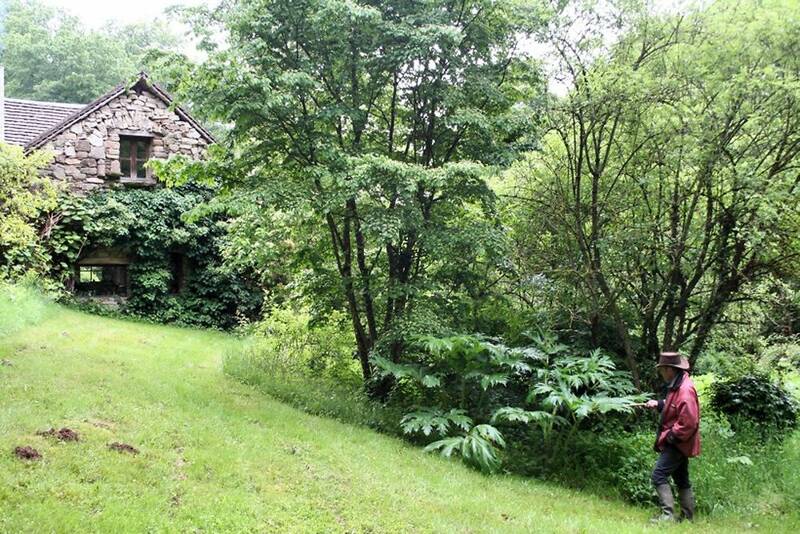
[[21, 304], [290, 340], [468, 385], [755, 398], [25, 199], [782, 355], [613, 461]]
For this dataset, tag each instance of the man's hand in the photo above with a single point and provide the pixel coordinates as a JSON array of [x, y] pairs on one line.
[[651, 404]]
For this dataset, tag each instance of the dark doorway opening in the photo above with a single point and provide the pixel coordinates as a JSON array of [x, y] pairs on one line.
[[178, 266]]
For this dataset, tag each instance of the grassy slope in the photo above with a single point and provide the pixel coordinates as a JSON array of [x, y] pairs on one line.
[[217, 456]]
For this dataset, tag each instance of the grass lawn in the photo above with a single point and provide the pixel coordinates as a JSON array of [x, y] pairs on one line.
[[216, 456]]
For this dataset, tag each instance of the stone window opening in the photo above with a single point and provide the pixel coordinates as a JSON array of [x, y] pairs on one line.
[[102, 280], [134, 151]]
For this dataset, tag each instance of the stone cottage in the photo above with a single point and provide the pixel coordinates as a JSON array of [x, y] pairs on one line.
[[101, 145]]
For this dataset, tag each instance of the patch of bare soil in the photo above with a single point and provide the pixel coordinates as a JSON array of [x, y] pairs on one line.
[[123, 447], [64, 434], [99, 423], [6, 363], [180, 465], [27, 453]]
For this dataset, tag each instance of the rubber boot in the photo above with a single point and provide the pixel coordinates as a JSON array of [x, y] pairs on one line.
[[686, 497], [667, 501]]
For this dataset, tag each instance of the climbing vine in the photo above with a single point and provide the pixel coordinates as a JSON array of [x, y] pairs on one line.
[[150, 226]]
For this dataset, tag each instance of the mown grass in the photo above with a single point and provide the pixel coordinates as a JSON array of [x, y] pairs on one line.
[[218, 456]]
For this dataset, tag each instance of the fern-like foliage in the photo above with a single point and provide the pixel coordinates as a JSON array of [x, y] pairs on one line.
[[473, 382], [513, 414], [583, 386], [428, 420], [478, 447], [417, 372]]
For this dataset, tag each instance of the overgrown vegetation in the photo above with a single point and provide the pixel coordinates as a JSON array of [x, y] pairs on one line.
[[151, 227], [20, 305], [25, 198], [465, 385], [755, 400]]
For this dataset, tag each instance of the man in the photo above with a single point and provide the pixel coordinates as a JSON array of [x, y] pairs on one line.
[[678, 436]]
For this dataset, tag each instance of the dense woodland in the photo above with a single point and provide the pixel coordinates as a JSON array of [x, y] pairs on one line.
[[475, 223]]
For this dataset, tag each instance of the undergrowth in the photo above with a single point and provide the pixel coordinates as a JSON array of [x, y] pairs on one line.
[[314, 395], [21, 305]]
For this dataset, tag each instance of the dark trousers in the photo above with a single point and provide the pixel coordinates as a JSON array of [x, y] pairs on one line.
[[672, 462]]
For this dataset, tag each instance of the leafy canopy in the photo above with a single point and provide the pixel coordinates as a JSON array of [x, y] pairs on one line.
[[49, 55], [369, 128]]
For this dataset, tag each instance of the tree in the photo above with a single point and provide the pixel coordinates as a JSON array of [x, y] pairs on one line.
[[669, 172], [376, 120], [25, 198], [50, 55]]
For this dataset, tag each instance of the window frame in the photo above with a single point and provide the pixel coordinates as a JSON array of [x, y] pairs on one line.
[[133, 145]]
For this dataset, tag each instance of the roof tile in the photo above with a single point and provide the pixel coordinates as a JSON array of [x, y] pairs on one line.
[[25, 120]]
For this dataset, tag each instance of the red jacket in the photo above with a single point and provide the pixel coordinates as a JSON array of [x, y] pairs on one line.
[[680, 418]]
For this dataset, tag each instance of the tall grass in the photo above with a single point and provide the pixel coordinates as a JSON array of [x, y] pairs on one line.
[[311, 391], [740, 473], [21, 305]]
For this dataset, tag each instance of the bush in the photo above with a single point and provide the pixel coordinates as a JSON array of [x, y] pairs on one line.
[[614, 460], [25, 199], [289, 340], [782, 355], [756, 399], [467, 386]]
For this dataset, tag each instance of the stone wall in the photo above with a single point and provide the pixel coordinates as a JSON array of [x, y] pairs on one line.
[[87, 154]]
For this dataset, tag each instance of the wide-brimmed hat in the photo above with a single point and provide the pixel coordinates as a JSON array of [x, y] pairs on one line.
[[672, 359]]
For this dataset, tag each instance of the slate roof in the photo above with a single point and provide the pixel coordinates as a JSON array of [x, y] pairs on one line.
[[25, 120]]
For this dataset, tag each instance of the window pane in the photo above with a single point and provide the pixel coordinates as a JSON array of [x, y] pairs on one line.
[[124, 148], [102, 279], [125, 165], [125, 156], [141, 158]]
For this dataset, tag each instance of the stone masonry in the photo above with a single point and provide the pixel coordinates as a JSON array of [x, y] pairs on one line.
[[86, 155]]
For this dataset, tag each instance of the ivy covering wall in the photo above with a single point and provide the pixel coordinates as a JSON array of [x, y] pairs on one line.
[[150, 227]]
